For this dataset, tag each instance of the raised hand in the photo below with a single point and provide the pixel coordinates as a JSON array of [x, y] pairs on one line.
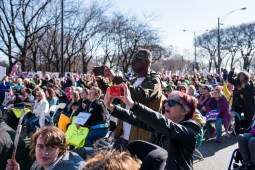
[[108, 99], [127, 96]]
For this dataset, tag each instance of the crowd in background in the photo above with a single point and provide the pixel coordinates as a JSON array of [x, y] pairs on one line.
[[154, 107]]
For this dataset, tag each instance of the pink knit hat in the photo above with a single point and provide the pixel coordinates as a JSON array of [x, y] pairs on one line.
[[218, 88]]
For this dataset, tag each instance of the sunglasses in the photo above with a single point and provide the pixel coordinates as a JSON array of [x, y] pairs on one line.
[[137, 59], [171, 103]]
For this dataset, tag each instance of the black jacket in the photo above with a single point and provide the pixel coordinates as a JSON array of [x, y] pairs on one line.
[[6, 146], [87, 103], [98, 113], [247, 102], [178, 139]]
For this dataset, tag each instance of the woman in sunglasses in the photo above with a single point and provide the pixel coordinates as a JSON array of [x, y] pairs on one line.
[[174, 131]]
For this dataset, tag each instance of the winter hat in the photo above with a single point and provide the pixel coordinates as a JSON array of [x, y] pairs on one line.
[[219, 88], [169, 88], [208, 87]]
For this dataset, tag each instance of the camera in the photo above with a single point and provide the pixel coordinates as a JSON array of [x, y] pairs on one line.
[[116, 91], [98, 71]]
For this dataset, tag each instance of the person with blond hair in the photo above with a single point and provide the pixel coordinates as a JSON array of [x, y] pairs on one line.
[[112, 160], [40, 108], [19, 84], [192, 91]]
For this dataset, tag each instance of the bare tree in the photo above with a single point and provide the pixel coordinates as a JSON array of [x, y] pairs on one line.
[[127, 35], [23, 19], [207, 41], [247, 43]]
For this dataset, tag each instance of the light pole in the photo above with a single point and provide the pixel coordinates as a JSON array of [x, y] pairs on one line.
[[195, 42], [218, 31], [62, 38]]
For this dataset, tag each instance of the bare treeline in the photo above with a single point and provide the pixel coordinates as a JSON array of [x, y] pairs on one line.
[[30, 33], [237, 46]]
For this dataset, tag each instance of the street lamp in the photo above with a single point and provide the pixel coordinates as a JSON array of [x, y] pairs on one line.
[[195, 42], [62, 38], [218, 35]]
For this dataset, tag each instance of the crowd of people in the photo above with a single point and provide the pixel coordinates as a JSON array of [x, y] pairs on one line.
[[164, 110]]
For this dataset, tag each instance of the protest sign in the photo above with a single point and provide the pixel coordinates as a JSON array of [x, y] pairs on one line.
[[40, 74], [23, 74], [18, 112], [31, 74], [63, 122], [2, 72], [76, 137], [82, 118], [212, 115]]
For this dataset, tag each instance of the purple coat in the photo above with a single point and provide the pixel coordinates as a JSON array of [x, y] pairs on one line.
[[223, 106]]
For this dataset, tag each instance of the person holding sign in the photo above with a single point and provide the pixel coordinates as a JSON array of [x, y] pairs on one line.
[[41, 108], [97, 120], [50, 149], [218, 102]]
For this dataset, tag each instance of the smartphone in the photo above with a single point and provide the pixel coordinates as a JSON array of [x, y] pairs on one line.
[[98, 71], [116, 91]]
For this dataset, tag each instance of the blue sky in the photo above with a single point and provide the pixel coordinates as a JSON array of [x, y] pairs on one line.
[[195, 15]]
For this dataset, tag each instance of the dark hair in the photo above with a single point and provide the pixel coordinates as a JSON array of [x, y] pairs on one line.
[[4, 77], [51, 93], [29, 91], [146, 53]]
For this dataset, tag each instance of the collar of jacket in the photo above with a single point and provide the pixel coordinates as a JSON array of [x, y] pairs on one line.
[[150, 74]]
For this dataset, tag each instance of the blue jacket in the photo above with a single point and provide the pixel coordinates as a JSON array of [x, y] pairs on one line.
[[4, 88]]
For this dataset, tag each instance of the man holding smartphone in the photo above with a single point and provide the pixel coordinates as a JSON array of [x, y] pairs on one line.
[[145, 88]]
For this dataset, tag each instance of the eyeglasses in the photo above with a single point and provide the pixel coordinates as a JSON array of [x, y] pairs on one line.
[[171, 103], [183, 89]]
